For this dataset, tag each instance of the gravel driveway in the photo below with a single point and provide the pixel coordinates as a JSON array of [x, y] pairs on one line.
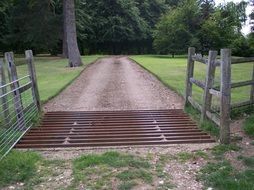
[[115, 83]]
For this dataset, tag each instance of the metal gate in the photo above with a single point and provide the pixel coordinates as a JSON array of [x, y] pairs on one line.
[[19, 102]]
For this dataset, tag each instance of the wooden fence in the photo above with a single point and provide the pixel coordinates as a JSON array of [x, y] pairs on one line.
[[223, 92], [19, 101]]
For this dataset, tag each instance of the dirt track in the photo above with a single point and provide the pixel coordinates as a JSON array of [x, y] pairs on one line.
[[115, 83]]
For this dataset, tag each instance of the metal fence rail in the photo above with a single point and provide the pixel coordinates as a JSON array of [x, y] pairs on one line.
[[19, 102]]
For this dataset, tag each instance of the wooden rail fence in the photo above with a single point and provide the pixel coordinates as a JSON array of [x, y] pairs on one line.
[[223, 91]]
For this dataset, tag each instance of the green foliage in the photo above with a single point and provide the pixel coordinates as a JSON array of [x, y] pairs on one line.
[[173, 33], [185, 156], [201, 24], [97, 171], [249, 126], [248, 161], [127, 185], [128, 175], [222, 176], [207, 125], [112, 159], [119, 26], [31, 24], [125, 26], [18, 167], [221, 149]]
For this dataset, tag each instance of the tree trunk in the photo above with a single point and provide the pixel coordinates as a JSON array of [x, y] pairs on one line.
[[73, 51], [64, 45]]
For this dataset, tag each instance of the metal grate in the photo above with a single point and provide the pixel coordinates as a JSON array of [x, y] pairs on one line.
[[113, 128]]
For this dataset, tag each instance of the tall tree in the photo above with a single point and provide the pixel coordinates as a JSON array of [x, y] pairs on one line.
[[176, 29], [64, 41], [70, 33], [30, 24]]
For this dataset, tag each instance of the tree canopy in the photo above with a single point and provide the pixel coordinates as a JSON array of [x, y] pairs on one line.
[[125, 26], [201, 24]]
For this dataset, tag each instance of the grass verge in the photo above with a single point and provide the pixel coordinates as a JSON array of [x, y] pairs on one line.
[[18, 167], [97, 171], [222, 175], [207, 126], [248, 126], [53, 75]]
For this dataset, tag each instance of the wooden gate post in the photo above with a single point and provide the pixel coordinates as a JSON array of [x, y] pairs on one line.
[[32, 73], [12, 72], [190, 70], [210, 72], [3, 91], [225, 100]]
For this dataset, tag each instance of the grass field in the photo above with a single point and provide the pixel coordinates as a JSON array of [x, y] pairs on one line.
[[172, 72], [53, 74]]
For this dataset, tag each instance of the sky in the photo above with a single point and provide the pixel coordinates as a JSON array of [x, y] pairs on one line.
[[246, 27]]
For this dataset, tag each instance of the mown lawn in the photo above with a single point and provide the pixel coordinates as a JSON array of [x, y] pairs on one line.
[[53, 74], [172, 72]]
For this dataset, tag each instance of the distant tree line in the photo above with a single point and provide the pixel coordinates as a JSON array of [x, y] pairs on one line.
[[203, 25], [125, 26]]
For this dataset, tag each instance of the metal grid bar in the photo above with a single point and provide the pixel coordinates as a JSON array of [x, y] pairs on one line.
[[113, 128]]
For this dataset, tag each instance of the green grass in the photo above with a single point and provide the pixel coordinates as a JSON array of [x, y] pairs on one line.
[[223, 176], [127, 185], [18, 167], [221, 149], [112, 159], [172, 72], [248, 161], [53, 74], [249, 126], [207, 126], [185, 156], [128, 175], [97, 171]]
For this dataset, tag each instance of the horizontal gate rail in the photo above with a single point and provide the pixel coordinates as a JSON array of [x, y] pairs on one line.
[[18, 104]]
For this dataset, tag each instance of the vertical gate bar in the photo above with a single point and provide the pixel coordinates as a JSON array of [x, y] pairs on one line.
[[12, 72], [207, 97], [3, 91], [32, 73], [225, 89], [189, 73]]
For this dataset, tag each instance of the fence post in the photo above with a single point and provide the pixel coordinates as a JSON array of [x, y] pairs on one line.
[[252, 88], [210, 72], [3, 91], [32, 73], [225, 88], [189, 73], [12, 72]]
